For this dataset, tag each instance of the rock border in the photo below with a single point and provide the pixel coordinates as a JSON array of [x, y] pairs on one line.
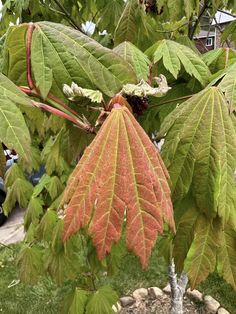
[[211, 305]]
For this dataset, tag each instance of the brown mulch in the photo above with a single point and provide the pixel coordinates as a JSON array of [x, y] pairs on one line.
[[162, 306]]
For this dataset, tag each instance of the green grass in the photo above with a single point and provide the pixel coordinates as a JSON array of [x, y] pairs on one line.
[[46, 297]]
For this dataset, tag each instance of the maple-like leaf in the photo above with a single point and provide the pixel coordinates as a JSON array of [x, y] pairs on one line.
[[120, 174], [199, 152]]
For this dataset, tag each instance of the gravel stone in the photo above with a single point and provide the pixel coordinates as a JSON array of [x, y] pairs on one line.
[[221, 310], [127, 301], [155, 292], [211, 304], [140, 294], [194, 295], [167, 289]]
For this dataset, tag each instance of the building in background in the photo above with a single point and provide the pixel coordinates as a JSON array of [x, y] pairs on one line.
[[210, 34]]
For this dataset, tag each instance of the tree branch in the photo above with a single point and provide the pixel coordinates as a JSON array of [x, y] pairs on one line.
[[194, 27], [69, 17]]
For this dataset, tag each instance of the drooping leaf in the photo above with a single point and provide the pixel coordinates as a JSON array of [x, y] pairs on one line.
[[121, 169], [75, 57], [175, 55], [227, 256], [101, 301], [135, 57], [20, 192], [34, 211], [109, 14], [47, 224], [126, 28], [201, 258], [184, 236], [13, 130], [30, 263], [77, 302], [62, 262], [55, 187], [199, 152]]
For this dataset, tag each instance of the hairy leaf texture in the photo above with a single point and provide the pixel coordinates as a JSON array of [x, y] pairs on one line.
[[175, 55], [120, 174], [199, 152]]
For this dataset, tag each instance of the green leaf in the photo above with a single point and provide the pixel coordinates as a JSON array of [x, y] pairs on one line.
[[34, 211], [201, 258], [20, 192], [109, 14], [126, 28], [43, 182], [228, 86], [13, 130], [55, 187], [229, 32], [78, 302], [30, 264], [101, 301], [12, 174], [184, 236], [219, 58], [75, 57], [47, 224], [135, 57], [174, 55], [227, 256], [40, 64], [199, 152], [14, 65]]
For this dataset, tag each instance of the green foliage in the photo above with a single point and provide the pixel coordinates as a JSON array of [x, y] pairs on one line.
[[30, 263], [101, 301], [135, 57], [199, 149], [175, 55], [229, 32]]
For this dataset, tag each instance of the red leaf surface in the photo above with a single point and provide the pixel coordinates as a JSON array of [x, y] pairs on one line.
[[121, 174]]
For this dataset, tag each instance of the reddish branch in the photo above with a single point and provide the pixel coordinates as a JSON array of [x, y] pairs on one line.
[[50, 96], [28, 54], [84, 126]]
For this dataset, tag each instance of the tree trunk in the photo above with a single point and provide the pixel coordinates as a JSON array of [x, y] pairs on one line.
[[178, 287]]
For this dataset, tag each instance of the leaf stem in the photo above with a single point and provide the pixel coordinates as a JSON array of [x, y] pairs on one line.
[[84, 126], [169, 100], [28, 54]]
